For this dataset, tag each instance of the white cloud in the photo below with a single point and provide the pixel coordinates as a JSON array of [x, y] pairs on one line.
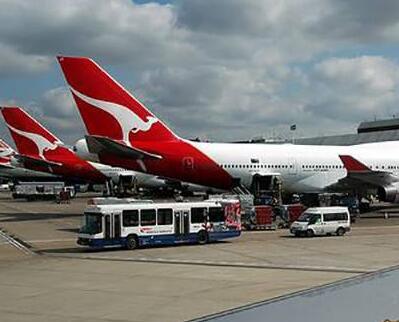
[[354, 88], [225, 69]]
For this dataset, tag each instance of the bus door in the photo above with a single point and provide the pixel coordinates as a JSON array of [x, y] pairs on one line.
[[182, 223], [107, 227], [117, 226], [112, 226]]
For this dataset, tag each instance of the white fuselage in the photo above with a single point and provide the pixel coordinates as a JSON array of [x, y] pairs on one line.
[[303, 168], [19, 173]]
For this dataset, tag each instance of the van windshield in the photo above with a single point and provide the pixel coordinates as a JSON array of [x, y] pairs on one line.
[[305, 217], [92, 223]]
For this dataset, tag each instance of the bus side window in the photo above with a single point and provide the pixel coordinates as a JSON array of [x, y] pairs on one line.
[[216, 214], [197, 215], [130, 218], [147, 217], [165, 216]]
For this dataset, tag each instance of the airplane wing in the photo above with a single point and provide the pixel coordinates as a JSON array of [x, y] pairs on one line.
[[35, 161], [360, 172], [98, 144]]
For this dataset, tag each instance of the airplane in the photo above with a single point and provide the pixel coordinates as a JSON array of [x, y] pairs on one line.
[[123, 132], [11, 170], [40, 150]]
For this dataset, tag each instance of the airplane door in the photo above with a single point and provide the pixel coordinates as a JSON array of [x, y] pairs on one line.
[[292, 168]]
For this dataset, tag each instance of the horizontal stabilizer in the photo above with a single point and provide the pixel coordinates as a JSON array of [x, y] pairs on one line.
[[6, 166], [99, 144], [360, 172], [36, 161], [353, 165]]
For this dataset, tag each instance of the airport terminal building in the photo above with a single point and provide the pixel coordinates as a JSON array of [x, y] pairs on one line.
[[374, 131]]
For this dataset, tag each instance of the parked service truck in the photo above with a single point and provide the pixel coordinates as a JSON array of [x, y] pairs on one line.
[[41, 190]]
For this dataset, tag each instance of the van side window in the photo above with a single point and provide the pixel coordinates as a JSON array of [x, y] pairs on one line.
[[147, 217], [130, 218], [197, 215], [316, 218], [336, 216], [216, 214], [165, 216]]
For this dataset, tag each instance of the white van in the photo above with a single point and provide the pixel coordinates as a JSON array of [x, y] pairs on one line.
[[322, 221]]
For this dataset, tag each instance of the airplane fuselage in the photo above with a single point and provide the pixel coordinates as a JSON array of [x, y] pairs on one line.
[[303, 168]]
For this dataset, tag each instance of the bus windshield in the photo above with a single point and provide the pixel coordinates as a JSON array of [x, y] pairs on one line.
[[92, 223]]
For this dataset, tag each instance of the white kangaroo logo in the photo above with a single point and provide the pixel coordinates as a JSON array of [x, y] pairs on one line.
[[127, 119], [41, 142], [5, 150], [6, 153]]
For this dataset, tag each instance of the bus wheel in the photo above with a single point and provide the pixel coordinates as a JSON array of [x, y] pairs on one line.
[[202, 237], [132, 242], [340, 231], [310, 233]]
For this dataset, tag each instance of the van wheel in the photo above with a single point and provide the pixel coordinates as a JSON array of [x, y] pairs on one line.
[[202, 237], [132, 242], [310, 233], [340, 231]]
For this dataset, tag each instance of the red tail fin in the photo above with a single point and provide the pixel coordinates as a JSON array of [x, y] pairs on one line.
[[107, 108], [29, 136]]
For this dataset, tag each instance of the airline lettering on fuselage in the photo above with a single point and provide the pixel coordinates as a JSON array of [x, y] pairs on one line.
[[126, 118], [41, 142]]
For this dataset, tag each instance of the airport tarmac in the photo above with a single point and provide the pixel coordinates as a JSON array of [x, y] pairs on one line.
[[49, 278]]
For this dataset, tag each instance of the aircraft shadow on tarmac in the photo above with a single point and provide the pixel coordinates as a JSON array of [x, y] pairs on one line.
[[16, 217]]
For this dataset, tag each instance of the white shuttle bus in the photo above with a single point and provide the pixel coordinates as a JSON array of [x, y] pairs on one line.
[[132, 224], [322, 221]]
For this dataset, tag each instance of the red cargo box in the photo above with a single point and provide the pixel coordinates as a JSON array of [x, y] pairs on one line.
[[264, 215], [294, 211]]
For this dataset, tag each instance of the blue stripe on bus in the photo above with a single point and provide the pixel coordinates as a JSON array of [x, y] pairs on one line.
[[164, 239]]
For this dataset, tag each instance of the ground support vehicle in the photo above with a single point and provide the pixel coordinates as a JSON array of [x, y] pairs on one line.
[[322, 221], [132, 223], [261, 218], [41, 190]]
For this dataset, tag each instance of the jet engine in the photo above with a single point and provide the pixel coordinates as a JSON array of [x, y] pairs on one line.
[[389, 193]]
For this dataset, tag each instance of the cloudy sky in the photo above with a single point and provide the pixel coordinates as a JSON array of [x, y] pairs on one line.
[[216, 69]]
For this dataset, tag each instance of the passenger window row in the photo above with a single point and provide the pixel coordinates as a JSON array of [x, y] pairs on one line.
[[148, 217], [152, 217], [256, 166], [321, 166]]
